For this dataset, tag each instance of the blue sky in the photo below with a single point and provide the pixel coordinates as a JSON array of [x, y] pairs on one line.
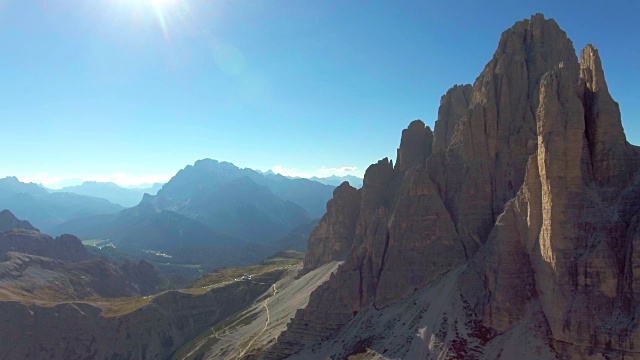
[[134, 90]]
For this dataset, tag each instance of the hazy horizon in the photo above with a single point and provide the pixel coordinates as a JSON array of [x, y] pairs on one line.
[[132, 91], [143, 182]]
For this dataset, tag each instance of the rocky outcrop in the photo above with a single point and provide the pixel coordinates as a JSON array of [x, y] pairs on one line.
[[415, 146], [65, 247], [9, 222], [453, 106], [332, 238], [529, 191]]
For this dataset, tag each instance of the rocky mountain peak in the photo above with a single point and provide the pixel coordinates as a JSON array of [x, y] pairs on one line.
[[610, 153], [415, 146], [453, 106], [527, 204], [591, 69], [333, 237]]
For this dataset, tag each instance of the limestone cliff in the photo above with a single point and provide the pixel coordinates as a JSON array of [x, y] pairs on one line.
[[526, 198]]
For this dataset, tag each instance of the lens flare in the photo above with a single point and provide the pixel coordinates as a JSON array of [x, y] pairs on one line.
[[161, 7], [168, 14]]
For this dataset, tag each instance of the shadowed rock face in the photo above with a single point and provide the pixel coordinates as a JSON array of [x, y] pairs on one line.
[[528, 186], [333, 237]]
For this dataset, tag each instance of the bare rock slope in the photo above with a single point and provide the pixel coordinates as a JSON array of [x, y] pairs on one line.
[[522, 211], [246, 334]]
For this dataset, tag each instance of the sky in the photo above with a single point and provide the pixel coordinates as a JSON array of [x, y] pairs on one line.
[[131, 91]]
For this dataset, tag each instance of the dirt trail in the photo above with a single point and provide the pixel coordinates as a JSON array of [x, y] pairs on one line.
[[266, 324]]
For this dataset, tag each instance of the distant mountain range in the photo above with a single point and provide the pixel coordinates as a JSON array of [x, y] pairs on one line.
[[209, 206], [210, 213], [44, 209], [126, 197]]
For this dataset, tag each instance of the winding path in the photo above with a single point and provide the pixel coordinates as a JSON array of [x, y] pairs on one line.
[[266, 324]]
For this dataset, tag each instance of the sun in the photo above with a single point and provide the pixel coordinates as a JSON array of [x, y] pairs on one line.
[[167, 13]]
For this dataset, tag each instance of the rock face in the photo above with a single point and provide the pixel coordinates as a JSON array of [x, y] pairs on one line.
[[333, 237], [527, 195], [9, 222]]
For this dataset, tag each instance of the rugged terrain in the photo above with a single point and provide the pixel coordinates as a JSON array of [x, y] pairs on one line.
[[54, 309], [509, 231]]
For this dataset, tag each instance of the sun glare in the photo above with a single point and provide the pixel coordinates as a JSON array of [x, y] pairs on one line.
[[161, 8], [165, 12]]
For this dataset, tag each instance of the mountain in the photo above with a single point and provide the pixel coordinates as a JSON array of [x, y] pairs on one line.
[[335, 180], [209, 206], [512, 230], [208, 175], [134, 231], [126, 197], [45, 210], [240, 207]]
